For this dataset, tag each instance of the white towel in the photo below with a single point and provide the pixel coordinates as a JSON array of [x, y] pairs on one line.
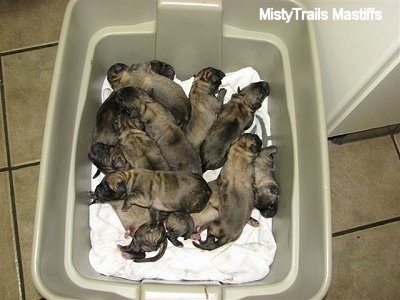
[[244, 260]]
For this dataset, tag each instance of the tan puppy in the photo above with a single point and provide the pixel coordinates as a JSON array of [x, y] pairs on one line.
[[156, 66], [236, 182], [205, 105], [267, 189], [139, 150], [237, 116], [161, 190], [166, 92], [160, 127]]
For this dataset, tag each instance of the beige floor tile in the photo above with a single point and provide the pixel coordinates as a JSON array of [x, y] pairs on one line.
[[25, 186], [397, 140], [27, 81], [366, 264], [365, 182], [30, 22], [3, 157], [9, 287]]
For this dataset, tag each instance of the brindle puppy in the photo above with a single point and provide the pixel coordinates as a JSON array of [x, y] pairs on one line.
[[267, 190], [148, 237], [139, 150], [205, 105], [236, 182], [107, 158], [166, 92], [178, 224], [160, 127], [237, 116], [161, 190]]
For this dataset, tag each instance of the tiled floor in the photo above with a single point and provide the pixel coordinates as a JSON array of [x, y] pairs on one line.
[[365, 175]]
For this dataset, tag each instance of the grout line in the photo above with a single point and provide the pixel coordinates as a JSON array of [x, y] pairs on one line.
[[365, 227], [27, 165], [12, 191], [396, 146], [27, 49]]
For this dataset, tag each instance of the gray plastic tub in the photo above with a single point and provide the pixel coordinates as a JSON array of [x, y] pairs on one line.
[[189, 35]]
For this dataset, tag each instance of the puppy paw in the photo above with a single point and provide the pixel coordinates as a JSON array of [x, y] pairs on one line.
[[253, 222]]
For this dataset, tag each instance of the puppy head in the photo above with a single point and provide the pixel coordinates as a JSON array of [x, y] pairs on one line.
[[111, 188], [133, 100], [211, 76], [248, 142], [267, 199], [254, 94], [107, 158], [162, 68], [115, 72]]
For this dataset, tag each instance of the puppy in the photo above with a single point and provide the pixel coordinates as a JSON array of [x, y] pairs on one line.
[[105, 117], [148, 237], [107, 158], [205, 105], [166, 92], [161, 190], [160, 127], [236, 182], [267, 189], [237, 115], [139, 150]]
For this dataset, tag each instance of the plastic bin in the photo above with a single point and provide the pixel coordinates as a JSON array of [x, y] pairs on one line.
[[189, 35]]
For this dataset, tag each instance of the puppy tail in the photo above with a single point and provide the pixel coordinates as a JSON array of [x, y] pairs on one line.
[[157, 256], [211, 246]]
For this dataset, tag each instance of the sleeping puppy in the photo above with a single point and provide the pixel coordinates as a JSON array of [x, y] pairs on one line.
[[267, 189], [107, 158], [237, 115], [160, 127], [139, 150], [103, 131], [161, 190], [236, 187], [166, 92], [205, 105], [148, 237]]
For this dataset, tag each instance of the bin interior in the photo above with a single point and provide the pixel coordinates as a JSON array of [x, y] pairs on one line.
[[96, 36]]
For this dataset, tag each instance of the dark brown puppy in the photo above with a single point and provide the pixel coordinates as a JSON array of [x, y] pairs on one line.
[[148, 237], [139, 150], [108, 111], [236, 182], [160, 127], [267, 189], [237, 116], [205, 105], [166, 92], [108, 158], [161, 190]]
